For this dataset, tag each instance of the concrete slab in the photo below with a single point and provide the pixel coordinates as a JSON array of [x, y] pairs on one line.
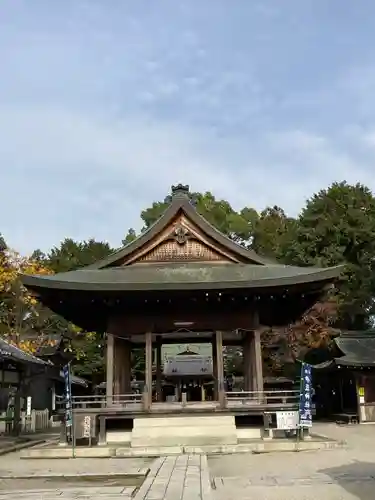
[[250, 446]]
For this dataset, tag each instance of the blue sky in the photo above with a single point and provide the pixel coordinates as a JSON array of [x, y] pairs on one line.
[[105, 104]]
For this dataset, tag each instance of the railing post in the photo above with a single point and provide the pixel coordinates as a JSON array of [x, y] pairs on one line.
[[267, 431], [63, 437], [102, 441]]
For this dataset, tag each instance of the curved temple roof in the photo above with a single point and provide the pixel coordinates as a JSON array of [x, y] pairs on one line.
[[239, 268], [183, 276]]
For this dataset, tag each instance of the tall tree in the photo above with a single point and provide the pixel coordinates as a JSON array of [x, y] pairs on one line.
[[23, 321], [130, 236], [273, 233], [73, 255], [337, 226]]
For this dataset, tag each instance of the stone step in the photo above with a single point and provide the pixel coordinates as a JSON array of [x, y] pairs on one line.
[[184, 431], [206, 421], [118, 437], [183, 440]]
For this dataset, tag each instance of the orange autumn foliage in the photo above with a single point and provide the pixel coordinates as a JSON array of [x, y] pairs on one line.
[[19, 309]]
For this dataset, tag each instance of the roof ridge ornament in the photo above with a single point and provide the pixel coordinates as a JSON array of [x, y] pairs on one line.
[[180, 191]]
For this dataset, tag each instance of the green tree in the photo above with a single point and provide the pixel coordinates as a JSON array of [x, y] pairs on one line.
[[273, 233], [337, 226], [73, 255], [130, 236]]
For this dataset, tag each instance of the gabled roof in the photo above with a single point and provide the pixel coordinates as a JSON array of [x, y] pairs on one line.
[[358, 349], [11, 352], [181, 203], [235, 267]]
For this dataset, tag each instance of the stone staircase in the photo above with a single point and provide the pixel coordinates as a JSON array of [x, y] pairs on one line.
[[183, 431]]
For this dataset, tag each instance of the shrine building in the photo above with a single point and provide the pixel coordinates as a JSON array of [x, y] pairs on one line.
[[181, 281]]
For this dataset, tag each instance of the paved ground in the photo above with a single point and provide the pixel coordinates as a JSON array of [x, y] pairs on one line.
[[38, 488], [341, 474], [183, 477]]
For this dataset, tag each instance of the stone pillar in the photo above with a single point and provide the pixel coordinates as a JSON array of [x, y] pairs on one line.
[[122, 369], [247, 362], [257, 362], [158, 371], [214, 368], [148, 373], [203, 393], [220, 368], [110, 363]]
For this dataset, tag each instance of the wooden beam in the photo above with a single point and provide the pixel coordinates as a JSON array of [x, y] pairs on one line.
[[220, 367], [110, 368], [158, 370], [148, 372], [247, 360], [214, 367], [257, 362]]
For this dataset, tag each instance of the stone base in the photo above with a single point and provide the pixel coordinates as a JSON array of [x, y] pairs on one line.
[[115, 437], [184, 431], [254, 446]]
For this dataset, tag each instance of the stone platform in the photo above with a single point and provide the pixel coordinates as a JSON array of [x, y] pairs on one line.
[[184, 477], [184, 431], [120, 451]]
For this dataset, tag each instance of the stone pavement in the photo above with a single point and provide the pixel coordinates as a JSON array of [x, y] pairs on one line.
[[339, 474], [14, 486], [13, 465], [182, 477], [100, 493]]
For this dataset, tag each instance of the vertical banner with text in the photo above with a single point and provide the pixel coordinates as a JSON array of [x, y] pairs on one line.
[[68, 399], [305, 402]]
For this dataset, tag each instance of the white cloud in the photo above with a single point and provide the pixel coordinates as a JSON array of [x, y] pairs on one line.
[[77, 175], [101, 110]]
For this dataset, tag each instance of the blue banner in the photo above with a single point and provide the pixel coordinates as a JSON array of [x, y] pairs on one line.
[[68, 396], [305, 399]]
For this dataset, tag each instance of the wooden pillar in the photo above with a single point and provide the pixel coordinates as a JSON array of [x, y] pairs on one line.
[[257, 362], [158, 371], [214, 368], [247, 362], [220, 368], [122, 369], [110, 363], [148, 373]]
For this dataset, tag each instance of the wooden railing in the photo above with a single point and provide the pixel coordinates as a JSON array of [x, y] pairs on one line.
[[265, 400], [270, 399], [103, 401]]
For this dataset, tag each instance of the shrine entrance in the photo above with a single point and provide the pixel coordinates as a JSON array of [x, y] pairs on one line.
[[181, 281]]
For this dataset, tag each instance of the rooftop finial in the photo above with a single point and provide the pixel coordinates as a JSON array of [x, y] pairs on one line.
[[180, 191]]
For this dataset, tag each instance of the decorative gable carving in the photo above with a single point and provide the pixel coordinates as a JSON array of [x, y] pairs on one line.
[[181, 241], [175, 250]]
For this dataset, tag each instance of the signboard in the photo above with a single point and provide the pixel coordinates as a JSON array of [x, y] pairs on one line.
[[287, 420], [68, 396], [87, 426], [305, 403], [28, 406]]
